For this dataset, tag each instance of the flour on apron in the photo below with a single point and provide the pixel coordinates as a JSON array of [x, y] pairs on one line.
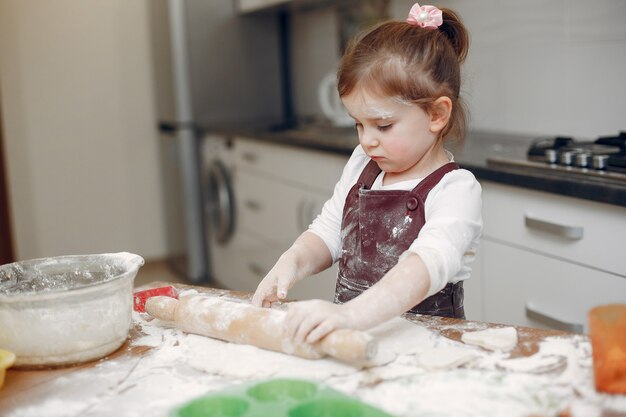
[[377, 227]]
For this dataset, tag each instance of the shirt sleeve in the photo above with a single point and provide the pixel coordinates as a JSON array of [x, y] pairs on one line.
[[327, 225], [450, 235]]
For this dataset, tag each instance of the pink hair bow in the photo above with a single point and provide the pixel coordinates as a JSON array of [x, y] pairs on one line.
[[425, 16]]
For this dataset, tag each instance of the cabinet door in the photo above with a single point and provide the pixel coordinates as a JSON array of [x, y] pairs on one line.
[[473, 289], [320, 286], [273, 211], [245, 260], [246, 6], [237, 264], [302, 167], [580, 231], [531, 289]]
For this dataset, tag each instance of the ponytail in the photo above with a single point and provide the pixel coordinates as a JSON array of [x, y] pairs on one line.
[[417, 60], [456, 33]]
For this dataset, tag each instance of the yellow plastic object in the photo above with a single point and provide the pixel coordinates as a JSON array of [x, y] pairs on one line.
[[6, 360]]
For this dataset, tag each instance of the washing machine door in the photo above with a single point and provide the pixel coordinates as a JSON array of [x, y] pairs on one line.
[[220, 204]]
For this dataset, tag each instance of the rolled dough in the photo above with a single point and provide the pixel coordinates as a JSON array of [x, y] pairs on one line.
[[504, 338]]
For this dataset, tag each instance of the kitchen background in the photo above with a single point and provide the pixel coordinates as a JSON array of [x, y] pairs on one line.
[[86, 166]]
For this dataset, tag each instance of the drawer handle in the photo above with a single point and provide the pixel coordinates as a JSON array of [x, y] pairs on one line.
[[306, 214], [533, 313], [249, 157], [257, 270], [252, 205], [564, 231]]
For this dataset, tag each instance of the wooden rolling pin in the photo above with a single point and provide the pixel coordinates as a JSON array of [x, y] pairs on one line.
[[262, 327]]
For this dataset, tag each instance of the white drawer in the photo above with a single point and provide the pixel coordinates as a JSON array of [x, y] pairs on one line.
[[254, 5], [245, 260], [273, 211], [239, 264], [580, 231], [530, 289], [321, 286], [313, 169]]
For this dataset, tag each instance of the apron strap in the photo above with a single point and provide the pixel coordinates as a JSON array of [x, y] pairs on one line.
[[423, 188], [371, 171], [369, 174]]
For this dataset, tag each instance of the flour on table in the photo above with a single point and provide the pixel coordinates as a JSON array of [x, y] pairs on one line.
[[246, 361], [534, 364], [445, 357], [503, 339], [181, 367], [187, 293], [395, 337], [53, 407]]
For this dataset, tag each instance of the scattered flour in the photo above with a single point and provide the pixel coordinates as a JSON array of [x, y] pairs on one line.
[[445, 357], [52, 407], [181, 366], [534, 364], [504, 338]]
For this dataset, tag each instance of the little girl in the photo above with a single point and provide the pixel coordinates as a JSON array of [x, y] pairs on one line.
[[404, 221]]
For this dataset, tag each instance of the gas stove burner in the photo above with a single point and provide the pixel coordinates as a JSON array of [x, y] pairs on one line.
[[604, 158], [605, 153]]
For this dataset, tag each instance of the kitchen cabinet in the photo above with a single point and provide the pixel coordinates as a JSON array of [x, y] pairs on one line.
[[245, 6], [250, 6], [545, 259], [473, 290], [278, 191]]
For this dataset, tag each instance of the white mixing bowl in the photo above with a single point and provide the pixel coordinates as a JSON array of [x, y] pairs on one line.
[[67, 309]]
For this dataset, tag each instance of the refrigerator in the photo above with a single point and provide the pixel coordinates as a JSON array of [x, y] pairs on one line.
[[213, 68]]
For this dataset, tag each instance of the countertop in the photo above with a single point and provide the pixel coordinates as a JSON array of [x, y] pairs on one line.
[[140, 380], [479, 146]]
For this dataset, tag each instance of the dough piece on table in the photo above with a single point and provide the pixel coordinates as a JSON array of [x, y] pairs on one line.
[[445, 357], [504, 338], [535, 364]]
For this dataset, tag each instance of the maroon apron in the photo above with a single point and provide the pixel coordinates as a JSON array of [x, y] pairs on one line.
[[376, 228]]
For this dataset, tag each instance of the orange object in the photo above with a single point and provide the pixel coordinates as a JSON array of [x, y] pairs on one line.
[[607, 325], [140, 297]]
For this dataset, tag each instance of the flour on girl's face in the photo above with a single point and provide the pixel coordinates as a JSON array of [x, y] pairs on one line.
[[385, 112], [379, 113]]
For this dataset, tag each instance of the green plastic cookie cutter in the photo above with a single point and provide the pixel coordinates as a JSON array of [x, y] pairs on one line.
[[277, 398]]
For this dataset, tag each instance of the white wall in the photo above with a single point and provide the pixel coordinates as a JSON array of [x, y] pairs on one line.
[[80, 138], [546, 66], [539, 67], [314, 53]]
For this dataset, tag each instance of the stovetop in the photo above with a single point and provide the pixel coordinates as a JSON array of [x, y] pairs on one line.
[[604, 157]]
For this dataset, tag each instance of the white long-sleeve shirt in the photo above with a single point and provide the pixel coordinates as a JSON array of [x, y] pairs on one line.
[[449, 238]]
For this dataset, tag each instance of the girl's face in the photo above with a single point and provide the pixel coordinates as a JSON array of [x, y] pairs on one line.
[[399, 136]]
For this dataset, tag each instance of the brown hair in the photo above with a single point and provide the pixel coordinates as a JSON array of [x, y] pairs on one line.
[[415, 64]]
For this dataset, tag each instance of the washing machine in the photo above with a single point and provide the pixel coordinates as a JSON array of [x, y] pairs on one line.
[[220, 211]]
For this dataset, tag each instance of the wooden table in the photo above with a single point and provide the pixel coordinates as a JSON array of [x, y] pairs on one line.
[[29, 388]]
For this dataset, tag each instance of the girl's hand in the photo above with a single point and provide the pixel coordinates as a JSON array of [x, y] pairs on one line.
[[309, 321], [276, 284], [307, 256]]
